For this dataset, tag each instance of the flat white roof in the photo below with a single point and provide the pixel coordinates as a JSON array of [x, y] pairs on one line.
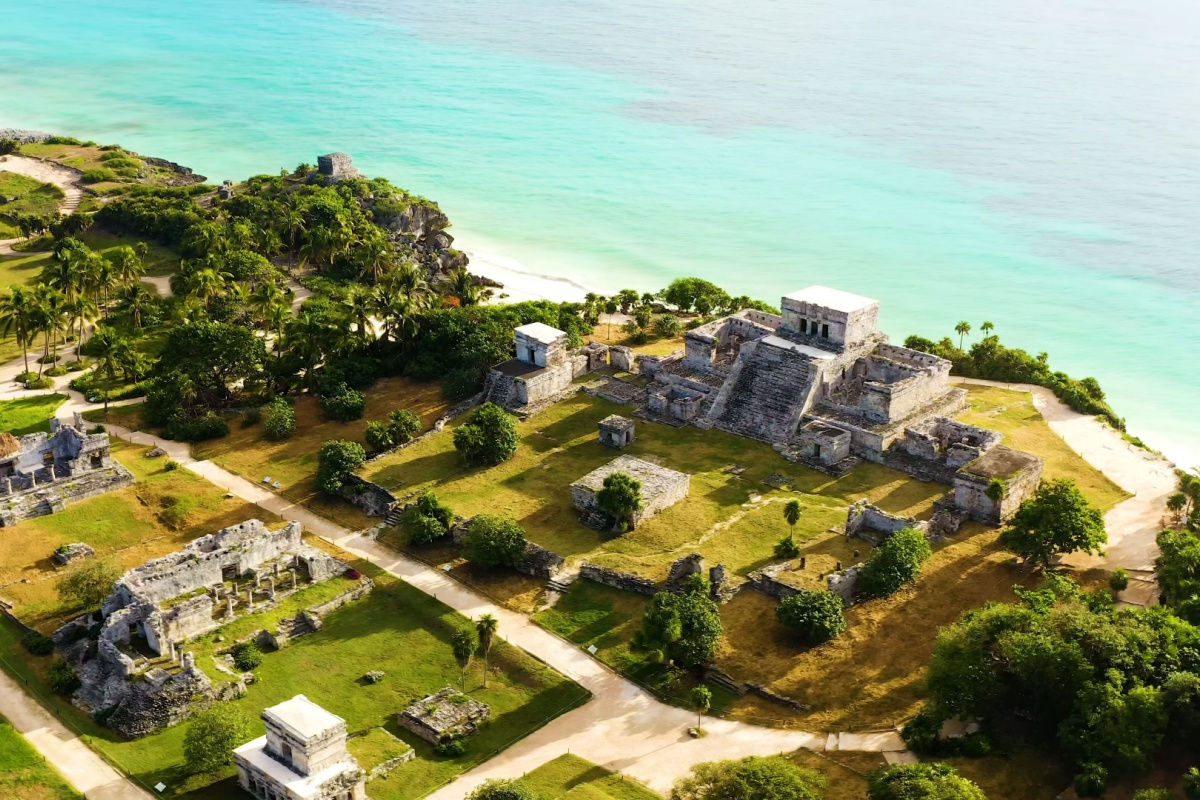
[[304, 717], [811, 352], [831, 298], [541, 332], [254, 753]]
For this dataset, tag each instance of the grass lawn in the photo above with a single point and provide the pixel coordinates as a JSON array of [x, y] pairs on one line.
[[89, 156], [730, 516], [159, 260], [157, 515], [376, 746], [29, 414], [572, 778], [31, 197], [1012, 413], [24, 774], [615, 335], [396, 629], [247, 452]]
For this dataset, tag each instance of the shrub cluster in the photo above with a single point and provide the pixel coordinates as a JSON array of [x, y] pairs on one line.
[[816, 617], [399, 428], [342, 403], [246, 656], [488, 437], [894, 563], [427, 520], [279, 420]]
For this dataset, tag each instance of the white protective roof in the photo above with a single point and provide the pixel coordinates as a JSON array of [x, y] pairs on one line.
[[836, 299], [304, 717], [255, 754], [541, 332]]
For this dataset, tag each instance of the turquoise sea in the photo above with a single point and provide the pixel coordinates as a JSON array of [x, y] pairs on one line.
[[1034, 164]]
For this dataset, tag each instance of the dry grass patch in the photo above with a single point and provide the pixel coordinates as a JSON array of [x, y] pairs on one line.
[[157, 515], [872, 675], [1011, 412], [615, 335]]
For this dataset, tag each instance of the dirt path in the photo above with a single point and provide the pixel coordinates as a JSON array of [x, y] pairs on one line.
[[64, 178], [1133, 523], [82, 768]]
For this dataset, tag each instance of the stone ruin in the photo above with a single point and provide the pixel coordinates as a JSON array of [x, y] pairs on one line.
[[874, 525], [333, 167], [616, 432], [225, 190], [302, 756], [41, 473], [447, 714], [662, 488], [76, 551], [542, 370], [1016, 473], [130, 658]]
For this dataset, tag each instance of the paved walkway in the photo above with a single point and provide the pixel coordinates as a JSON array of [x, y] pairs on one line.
[[82, 768]]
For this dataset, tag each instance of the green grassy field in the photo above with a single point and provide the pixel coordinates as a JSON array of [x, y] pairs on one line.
[[29, 414], [24, 774], [160, 513], [31, 197], [572, 778], [396, 629], [731, 516]]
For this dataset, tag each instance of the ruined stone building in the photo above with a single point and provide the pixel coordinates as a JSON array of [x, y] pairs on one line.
[[543, 368], [302, 756], [41, 473], [134, 669], [661, 488]]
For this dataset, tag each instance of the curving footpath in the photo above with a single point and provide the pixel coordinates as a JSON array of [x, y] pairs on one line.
[[623, 727]]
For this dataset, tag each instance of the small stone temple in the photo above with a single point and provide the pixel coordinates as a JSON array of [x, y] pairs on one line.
[[333, 167], [543, 368], [444, 715], [41, 473], [616, 431], [1016, 473], [302, 756], [661, 488]]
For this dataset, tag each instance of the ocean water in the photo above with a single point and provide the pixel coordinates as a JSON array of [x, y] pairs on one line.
[[1034, 164]]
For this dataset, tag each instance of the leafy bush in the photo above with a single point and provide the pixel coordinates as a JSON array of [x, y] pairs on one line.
[[63, 680], [378, 436], [89, 583], [404, 424], [894, 563], [423, 529], [279, 420], [488, 437], [922, 734], [336, 461], [37, 644], [1191, 784], [495, 541], [343, 403], [620, 498], [666, 326], [251, 417], [1058, 519], [209, 425], [502, 790], [451, 748], [40, 383], [98, 175], [246, 656], [787, 547], [683, 626], [171, 465], [211, 736], [815, 616], [769, 778], [1119, 580], [920, 782]]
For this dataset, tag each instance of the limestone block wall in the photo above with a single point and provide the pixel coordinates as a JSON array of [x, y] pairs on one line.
[[543, 385], [872, 524], [373, 499], [191, 617], [621, 358], [844, 327], [626, 581]]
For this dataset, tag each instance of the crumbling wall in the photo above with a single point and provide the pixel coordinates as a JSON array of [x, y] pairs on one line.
[[872, 524], [626, 581], [373, 499]]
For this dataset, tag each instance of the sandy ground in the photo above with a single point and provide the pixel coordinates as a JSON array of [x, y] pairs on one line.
[[64, 178], [1132, 524], [82, 768]]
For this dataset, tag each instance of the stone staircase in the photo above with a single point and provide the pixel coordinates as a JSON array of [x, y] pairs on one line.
[[498, 389], [767, 392], [393, 516]]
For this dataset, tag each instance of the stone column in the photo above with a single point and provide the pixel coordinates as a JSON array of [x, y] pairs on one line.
[[271, 587], [250, 598], [229, 604]]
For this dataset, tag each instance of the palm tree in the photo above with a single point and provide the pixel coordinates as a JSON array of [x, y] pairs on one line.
[[16, 317], [106, 346], [987, 327], [463, 286], [463, 644], [83, 310], [398, 315], [205, 285], [263, 297], [1176, 504], [127, 267], [48, 314], [408, 279], [610, 308], [358, 305], [375, 256], [791, 514], [485, 629], [962, 329], [292, 222], [100, 277]]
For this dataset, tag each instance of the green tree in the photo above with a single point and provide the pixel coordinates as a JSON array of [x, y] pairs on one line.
[[987, 327], [894, 563], [88, 584], [621, 499], [485, 629], [816, 616], [495, 541], [684, 626], [279, 420], [754, 778], [17, 318], [1058, 519], [921, 782], [962, 329], [502, 790], [488, 437], [787, 547], [336, 461], [213, 357], [403, 425], [378, 436], [211, 736], [701, 698], [463, 644]]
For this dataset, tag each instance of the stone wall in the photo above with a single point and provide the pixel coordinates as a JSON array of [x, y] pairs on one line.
[[872, 524], [765, 581], [617, 579], [371, 498], [542, 386], [845, 583], [540, 562]]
